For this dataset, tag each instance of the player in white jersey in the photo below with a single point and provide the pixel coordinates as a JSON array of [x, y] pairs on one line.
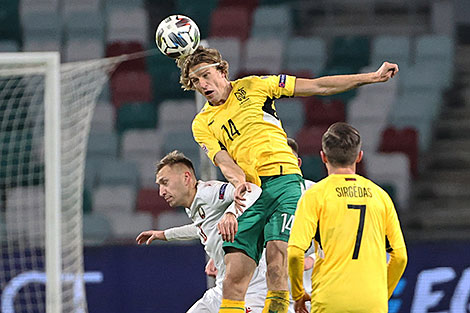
[[207, 204]]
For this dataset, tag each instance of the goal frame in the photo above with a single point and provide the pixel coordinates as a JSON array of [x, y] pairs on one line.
[[52, 163]]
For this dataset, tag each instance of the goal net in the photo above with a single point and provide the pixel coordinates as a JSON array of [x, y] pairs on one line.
[[45, 115]]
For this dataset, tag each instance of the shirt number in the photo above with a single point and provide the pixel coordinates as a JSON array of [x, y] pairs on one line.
[[233, 130], [287, 222], [360, 228]]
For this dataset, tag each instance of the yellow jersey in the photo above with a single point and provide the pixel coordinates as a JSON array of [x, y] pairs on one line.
[[352, 222], [248, 128]]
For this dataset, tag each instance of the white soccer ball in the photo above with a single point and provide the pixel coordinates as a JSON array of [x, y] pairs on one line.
[[177, 36]]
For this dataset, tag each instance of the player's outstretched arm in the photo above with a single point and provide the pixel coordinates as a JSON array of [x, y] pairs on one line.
[[330, 85], [150, 235]]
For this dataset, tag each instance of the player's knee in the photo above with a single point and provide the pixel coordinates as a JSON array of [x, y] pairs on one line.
[[276, 273]]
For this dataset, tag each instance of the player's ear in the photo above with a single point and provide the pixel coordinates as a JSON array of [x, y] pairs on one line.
[[323, 157], [299, 160], [359, 156]]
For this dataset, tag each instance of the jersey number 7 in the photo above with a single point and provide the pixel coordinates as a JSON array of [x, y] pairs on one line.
[[360, 228]]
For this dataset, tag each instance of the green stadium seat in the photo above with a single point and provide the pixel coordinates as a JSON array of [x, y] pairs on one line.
[[350, 51], [305, 53], [96, 229], [136, 116], [10, 21], [313, 167], [199, 12], [272, 21]]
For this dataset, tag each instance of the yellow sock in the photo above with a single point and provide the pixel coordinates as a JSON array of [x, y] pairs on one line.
[[232, 306], [277, 301]]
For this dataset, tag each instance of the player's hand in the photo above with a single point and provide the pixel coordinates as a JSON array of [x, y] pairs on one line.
[[211, 270], [386, 71], [308, 263], [150, 235], [240, 191], [228, 227], [299, 305]]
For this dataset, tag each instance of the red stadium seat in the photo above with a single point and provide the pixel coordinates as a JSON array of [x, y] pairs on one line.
[[309, 140], [324, 112], [130, 86], [402, 140], [127, 47], [230, 22], [248, 4], [148, 200]]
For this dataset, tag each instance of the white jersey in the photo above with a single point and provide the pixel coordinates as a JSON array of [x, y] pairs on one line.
[[212, 200], [308, 183]]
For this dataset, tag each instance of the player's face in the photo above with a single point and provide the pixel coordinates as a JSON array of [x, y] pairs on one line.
[[172, 187], [210, 82]]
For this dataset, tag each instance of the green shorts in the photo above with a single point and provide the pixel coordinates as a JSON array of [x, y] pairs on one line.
[[270, 217]]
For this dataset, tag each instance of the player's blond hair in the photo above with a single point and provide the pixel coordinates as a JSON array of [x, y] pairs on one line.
[[173, 158], [201, 55], [341, 144]]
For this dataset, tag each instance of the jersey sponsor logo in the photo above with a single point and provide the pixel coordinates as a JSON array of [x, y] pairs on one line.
[[282, 80], [201, 212], [222, 191]]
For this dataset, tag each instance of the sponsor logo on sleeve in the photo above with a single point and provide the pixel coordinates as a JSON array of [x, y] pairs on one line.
[[282, 80], [222, 191]]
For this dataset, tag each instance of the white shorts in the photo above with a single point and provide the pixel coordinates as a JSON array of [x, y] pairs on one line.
[[212, 298]]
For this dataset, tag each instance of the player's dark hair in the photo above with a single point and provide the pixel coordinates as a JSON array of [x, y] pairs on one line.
[[341, 144], [201, 55], [293, 145], [172, 158]]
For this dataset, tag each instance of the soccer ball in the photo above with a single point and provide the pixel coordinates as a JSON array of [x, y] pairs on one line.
[[177, 36]]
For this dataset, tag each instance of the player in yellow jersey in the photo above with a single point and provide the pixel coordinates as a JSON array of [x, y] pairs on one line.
[[353, 223], [239, 130]]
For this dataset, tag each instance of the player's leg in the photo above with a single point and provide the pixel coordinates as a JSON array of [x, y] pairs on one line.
[[284, 192]]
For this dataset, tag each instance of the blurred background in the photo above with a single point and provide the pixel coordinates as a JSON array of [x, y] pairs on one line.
[[416, 127]]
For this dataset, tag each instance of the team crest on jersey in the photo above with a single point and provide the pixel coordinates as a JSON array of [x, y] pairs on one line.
[[240, 94], [222, 191], [282, 80], [248, 310], [201, 212]]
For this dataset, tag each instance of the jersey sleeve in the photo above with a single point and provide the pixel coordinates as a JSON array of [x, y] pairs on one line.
[[392, 229], [185, 232], [250, 199], [305, 222], [208, 143], [281, 85]]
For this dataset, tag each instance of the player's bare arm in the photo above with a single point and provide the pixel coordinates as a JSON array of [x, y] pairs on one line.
[[150, 235], [235, 175], [330, 85]]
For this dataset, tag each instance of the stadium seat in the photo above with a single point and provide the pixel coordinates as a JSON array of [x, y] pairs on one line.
[[118, 48], [199, 11], [25, 204], [119, 172], [272, 22], [183, 141], [402, 140], [249, 4], [176, 115], [103, 118], [103, 145], [149, 200], [313, 167], [126, 226], [309, 140], [305, 53], [231, 50], [130, 86], [138, 115], [10, 28], [43, 22], [436, 51], [231, 22], [370, 130], [350, 51], [127, 23], [391, 169], [291, 113], [323, 113], [108, 199], [391, 48], [83, 21], [81, 49], [9, 45], [173, 218], [422, 77], [263, 54], [96, 229]]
